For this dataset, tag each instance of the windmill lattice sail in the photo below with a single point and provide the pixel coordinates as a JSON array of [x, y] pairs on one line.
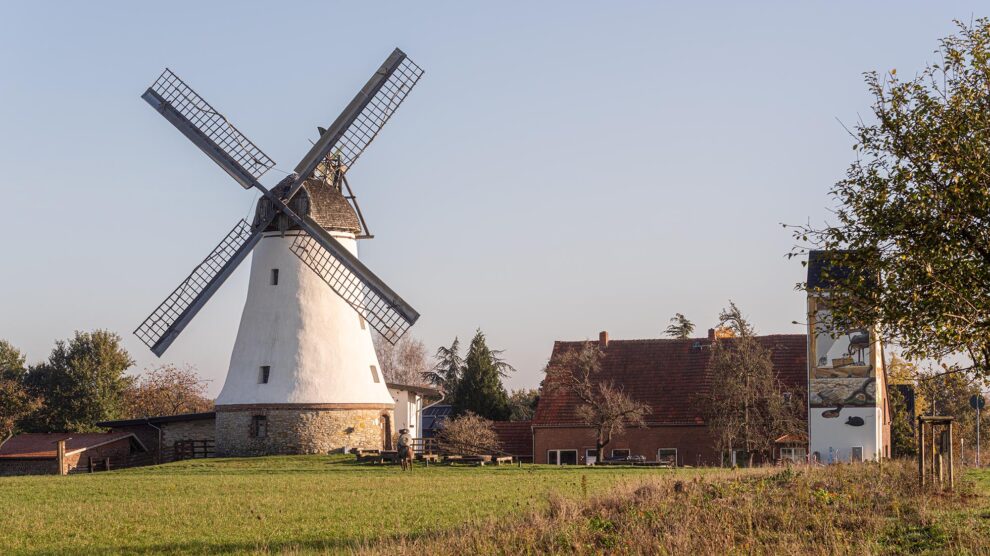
[[364, 117], [164, 324], [384, 315], [208, 128]]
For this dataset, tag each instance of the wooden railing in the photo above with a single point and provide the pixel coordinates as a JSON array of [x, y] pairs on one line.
[[192, 449]]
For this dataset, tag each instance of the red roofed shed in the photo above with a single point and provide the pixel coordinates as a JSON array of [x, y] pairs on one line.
[[37, 453]]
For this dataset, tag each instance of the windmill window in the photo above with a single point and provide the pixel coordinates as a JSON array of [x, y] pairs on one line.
[[361, 320], [374, 374], [266, 371], [259, 426], [274, 276]]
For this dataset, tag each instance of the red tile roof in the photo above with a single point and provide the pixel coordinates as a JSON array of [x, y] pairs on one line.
[[45, 445], [669, 375], [516, 437]]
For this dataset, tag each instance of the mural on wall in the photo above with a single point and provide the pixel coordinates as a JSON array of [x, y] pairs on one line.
[[842, 373]]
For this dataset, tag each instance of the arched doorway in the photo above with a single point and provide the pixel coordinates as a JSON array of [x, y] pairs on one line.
[[386, 432]]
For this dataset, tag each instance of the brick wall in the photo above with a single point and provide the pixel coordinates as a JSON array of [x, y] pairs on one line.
[[693, 443], [10, 467], [117, 451], [298, 431]]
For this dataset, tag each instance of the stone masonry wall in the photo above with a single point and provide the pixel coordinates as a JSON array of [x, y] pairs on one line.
[[299, 431], [203, 429]]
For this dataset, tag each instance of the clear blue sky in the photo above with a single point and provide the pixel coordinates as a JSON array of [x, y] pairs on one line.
[[562, 168]]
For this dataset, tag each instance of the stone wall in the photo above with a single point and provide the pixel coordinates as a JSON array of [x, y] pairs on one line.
[[203, 429], [302, 430]]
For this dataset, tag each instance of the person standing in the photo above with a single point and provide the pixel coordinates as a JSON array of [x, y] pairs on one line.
[[405, 450]]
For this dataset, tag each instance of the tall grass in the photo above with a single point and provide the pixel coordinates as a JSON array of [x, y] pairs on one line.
[[842, 509]]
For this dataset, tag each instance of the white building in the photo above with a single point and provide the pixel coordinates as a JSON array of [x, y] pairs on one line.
[[848, 408], [409, 402]]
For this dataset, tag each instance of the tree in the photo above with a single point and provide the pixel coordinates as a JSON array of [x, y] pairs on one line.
[[911, 234], [404, 362], [601, 404], [168, 390], [748, 407], [480, 389], [902, 439], [11, 362], [522, 404], [446, 373], [82, 383], [680, 327], [468, 435], [16, 402]]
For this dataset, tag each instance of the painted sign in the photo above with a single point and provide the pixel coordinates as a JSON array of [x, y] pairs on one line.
[[842, 372]]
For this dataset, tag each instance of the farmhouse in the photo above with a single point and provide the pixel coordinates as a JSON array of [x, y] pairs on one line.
[[672, 376], [63, 453]]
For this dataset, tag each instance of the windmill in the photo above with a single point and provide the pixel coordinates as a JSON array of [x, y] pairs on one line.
[[303, 375]]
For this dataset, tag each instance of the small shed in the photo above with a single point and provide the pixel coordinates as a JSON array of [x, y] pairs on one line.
[[63, 453]]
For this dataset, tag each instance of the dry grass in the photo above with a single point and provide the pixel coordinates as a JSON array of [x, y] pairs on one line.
[[858, 509]]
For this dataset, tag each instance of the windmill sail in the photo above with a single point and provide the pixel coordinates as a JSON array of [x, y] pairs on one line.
[[160, 329], [208, 129], [365, 292], [354, 129]]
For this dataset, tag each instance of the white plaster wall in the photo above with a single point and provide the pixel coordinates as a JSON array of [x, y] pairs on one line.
[[313, 340], [834, 433], [407, 410]]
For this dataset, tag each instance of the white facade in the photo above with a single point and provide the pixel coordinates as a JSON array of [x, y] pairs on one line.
[[316, 348], [408, 410]]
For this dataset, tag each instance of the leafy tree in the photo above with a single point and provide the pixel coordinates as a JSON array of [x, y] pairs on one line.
[[447, 371], [480, 389], [603, 406], [680, 327], [468, 435], [748, 407], [911, 233], [405, 362], [11, 362], [902, 436], [522, 404], [82, 383], [16, 402], [168, 390]]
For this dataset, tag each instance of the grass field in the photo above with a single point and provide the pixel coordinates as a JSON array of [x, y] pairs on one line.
[[330, 504], [299, 503]]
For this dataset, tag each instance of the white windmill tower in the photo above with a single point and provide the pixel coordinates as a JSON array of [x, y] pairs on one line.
[[303, 374]]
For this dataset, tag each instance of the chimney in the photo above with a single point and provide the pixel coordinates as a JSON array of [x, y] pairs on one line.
[[602, 339], [711, 334]]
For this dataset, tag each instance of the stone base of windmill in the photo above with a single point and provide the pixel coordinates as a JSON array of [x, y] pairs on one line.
[[256, 430]]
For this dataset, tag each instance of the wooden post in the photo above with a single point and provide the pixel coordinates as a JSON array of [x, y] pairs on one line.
[[60, 456], [934, 451], [952, 481], [921, 453]]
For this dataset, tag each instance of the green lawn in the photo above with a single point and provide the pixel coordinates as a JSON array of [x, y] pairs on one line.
[[300, 503]]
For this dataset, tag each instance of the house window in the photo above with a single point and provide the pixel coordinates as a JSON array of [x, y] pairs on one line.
[[274, 276], [562, 457], [667, 456], [857, 453], [374, 373], [797, 455], [259, 426], [266, 371], [620, 453], [590, 455]]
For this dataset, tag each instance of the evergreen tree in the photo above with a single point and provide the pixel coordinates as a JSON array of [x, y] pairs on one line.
[[680, 327], [480, 389], [82, 383], [447, 372]]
